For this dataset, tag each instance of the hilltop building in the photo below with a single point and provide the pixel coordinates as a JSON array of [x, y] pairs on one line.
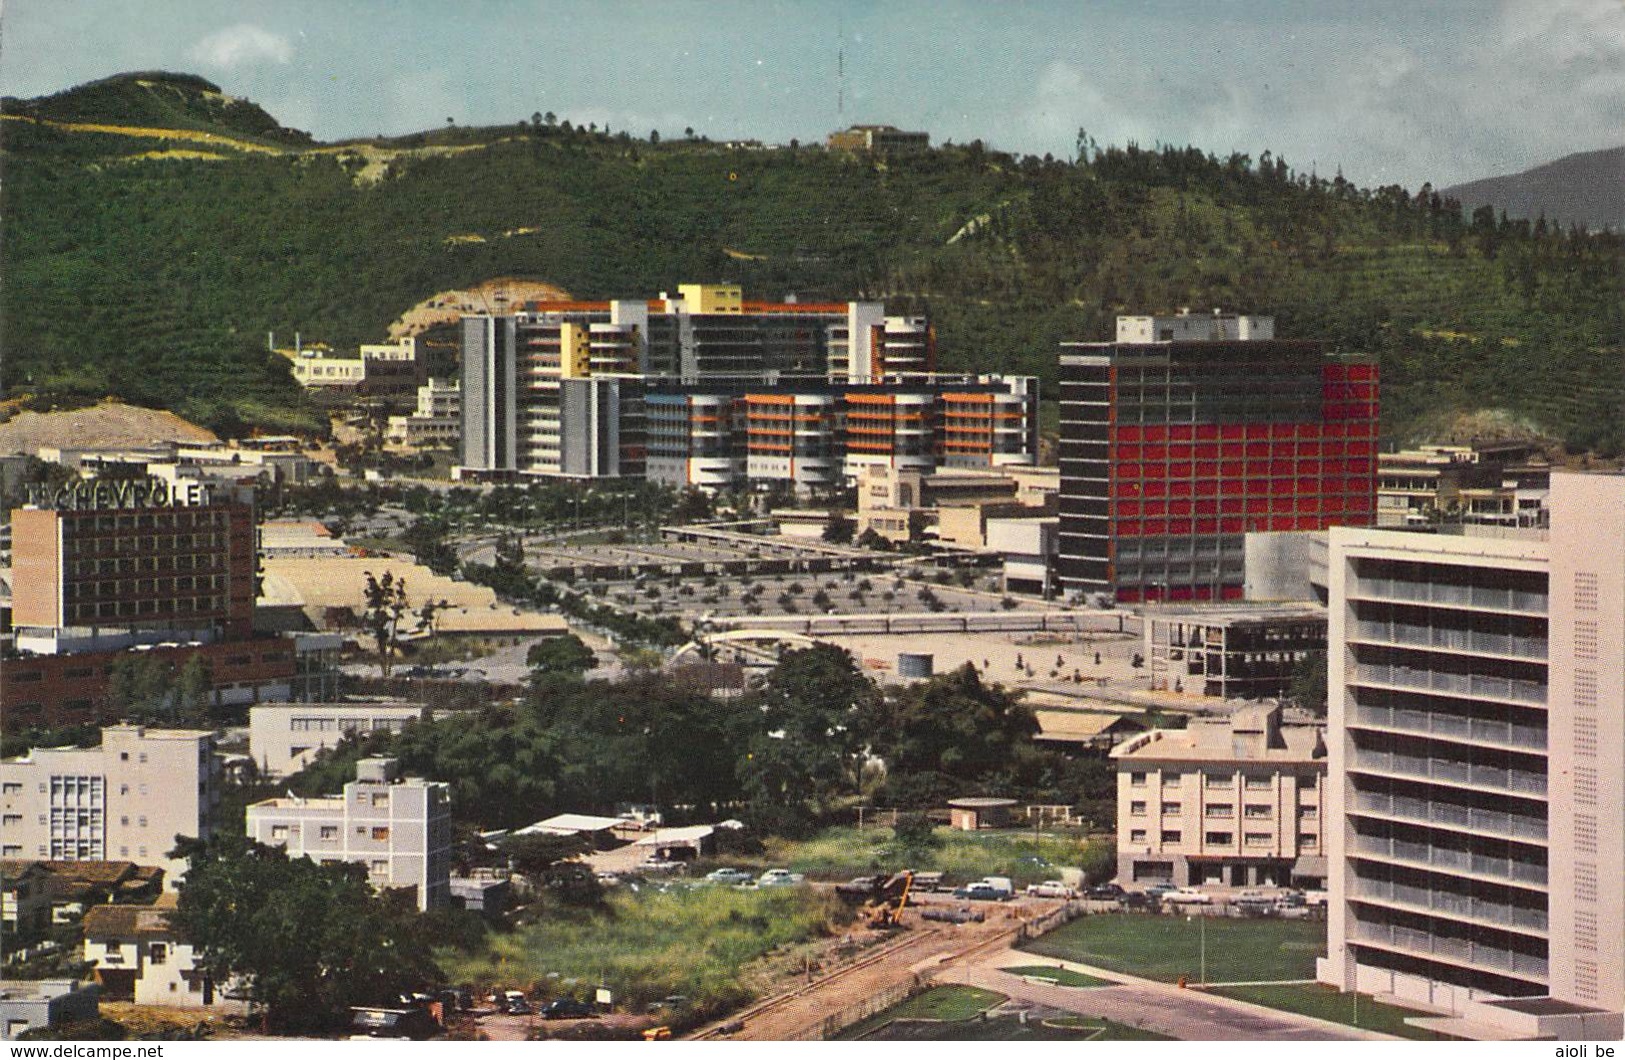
[[1191, 431], [1477, 746], [377, 370], [871, 139], [125, 800], [400, 829], [435, 421]]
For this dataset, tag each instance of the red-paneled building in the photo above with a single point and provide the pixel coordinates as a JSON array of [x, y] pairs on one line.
[[1173, 450]]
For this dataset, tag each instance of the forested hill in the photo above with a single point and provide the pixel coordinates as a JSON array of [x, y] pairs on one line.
[[152, 265]]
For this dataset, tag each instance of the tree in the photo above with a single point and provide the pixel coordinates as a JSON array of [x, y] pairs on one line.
[[955, 726], [1309, 683], [386, 607], [839, 529], [303, 941], [568, 654], [654, 136], [194, 689]]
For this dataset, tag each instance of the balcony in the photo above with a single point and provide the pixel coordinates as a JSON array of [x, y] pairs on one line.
[[1472, 820], [1450, 771], [1500, 915], [1466, 597], [1442, 638], [1452, 727], [1452, 862], [1453, 951], [1442, 682]]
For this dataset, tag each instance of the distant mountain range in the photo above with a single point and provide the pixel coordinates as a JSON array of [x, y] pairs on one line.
[[1586, 189], [157, 229]]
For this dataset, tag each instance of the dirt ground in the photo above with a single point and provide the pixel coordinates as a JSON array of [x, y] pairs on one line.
[[111, 423], [494, 295]]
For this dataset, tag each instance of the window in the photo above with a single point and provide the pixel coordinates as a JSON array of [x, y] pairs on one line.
[[1137, 835], [1171, 780], [1173, 807], [1309, 783], [1308, 841], [1221, 809], [1310, 813], [380, 835], [158, 953], [330, 831], [1258, 839], [1259, 810], [1136, 809], [380, 798], [1256, 783], [1219, 780], [279, 831], [1221, 839], [1136, 780], [380, 866], [1172, 836], [143, 823]]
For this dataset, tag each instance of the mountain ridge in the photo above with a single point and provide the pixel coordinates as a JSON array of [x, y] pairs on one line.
[[1586, 188]]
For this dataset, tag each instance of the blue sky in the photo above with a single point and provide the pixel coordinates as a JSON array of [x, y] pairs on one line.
[[1440, 90]]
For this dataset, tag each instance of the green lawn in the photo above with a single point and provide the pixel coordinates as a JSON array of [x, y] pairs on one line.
[[1167, 947], [1061, 976], [841, 853], [1324, 1002], [950, 1014]]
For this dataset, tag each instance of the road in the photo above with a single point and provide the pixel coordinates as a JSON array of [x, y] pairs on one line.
[[1190, 1015]]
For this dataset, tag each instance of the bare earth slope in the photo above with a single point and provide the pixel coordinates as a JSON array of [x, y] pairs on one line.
[[111, 423]]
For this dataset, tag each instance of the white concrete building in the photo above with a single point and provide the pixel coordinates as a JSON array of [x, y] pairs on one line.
[[1477, 712], [400, 829], [1186, 326], [1229, 801], [437, 419], [284, 738], [125, 800], [137, 956]]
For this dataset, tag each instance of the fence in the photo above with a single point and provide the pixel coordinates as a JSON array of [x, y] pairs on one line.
[[857, 1012]]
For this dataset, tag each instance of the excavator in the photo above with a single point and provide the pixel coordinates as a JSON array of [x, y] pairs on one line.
[[888, 900]]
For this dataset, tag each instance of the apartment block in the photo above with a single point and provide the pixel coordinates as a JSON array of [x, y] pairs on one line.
[[1229, 801], [1231, 651], [127, 799], [1477, 713], [435, 421], [399, 828], [1192, 431]]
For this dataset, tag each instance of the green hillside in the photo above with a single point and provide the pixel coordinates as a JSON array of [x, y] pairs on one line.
[[158, 277]]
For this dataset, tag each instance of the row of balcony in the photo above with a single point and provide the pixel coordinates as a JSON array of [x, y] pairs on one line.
[[1426, 812], [1479, 597], [1449, 771], [1503, 915], [1457, 951], [1452, 726], [1478, 686], [1445, 859], [1450, 639]]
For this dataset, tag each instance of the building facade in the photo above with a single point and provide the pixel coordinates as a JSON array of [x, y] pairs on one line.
[[707, 388], [1232, 652], [400, 829], [1477, 711], [435, 422], [126, 800], [1190, 432], [284, 738], [138, 956], [1229, 801]]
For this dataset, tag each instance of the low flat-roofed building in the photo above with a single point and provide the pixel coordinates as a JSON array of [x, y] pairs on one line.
[[978, 811], [1029, 545], [603, 832], [45, 1003], [284, 738], [1233, 651], [1087, 729], [1230, 801]]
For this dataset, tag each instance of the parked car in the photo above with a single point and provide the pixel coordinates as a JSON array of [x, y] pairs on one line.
[[1050, 889], [517, 1007], [1139, 901], [413, 1023], [1290, 900], [980, 892], [780, 878], [729, 876], [567, 1008], [1187, 896], [1254, 903], [1314, 898], [661, 865], [1106, 892], [1157, 890]]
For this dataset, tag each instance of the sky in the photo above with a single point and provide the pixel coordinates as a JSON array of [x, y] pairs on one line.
[[1387, 92]]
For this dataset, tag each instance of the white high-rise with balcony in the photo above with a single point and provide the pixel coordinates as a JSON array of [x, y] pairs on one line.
[[1477, 770]]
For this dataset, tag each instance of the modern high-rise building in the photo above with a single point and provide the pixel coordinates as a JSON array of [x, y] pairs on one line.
[[1477, 769], [1191, 431], [710, 389], [126, 800]]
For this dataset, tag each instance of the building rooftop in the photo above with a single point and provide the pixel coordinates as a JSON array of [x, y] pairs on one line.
[[1077, 726], [1234, 614], [1216, 740], [571, 823], [130, 921]]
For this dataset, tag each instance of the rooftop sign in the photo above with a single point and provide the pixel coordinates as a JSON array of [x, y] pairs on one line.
[[109, 494]]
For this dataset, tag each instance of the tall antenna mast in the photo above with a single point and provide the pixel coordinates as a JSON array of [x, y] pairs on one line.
[[840, 68]]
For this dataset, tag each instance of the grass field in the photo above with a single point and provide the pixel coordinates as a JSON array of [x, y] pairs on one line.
[[839, 853], [694, 942], [950, 1014], [1324, 1002], [1061, 976], [1167, 947]]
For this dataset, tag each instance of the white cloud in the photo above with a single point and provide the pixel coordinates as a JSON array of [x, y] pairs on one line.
[[244, 44]]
